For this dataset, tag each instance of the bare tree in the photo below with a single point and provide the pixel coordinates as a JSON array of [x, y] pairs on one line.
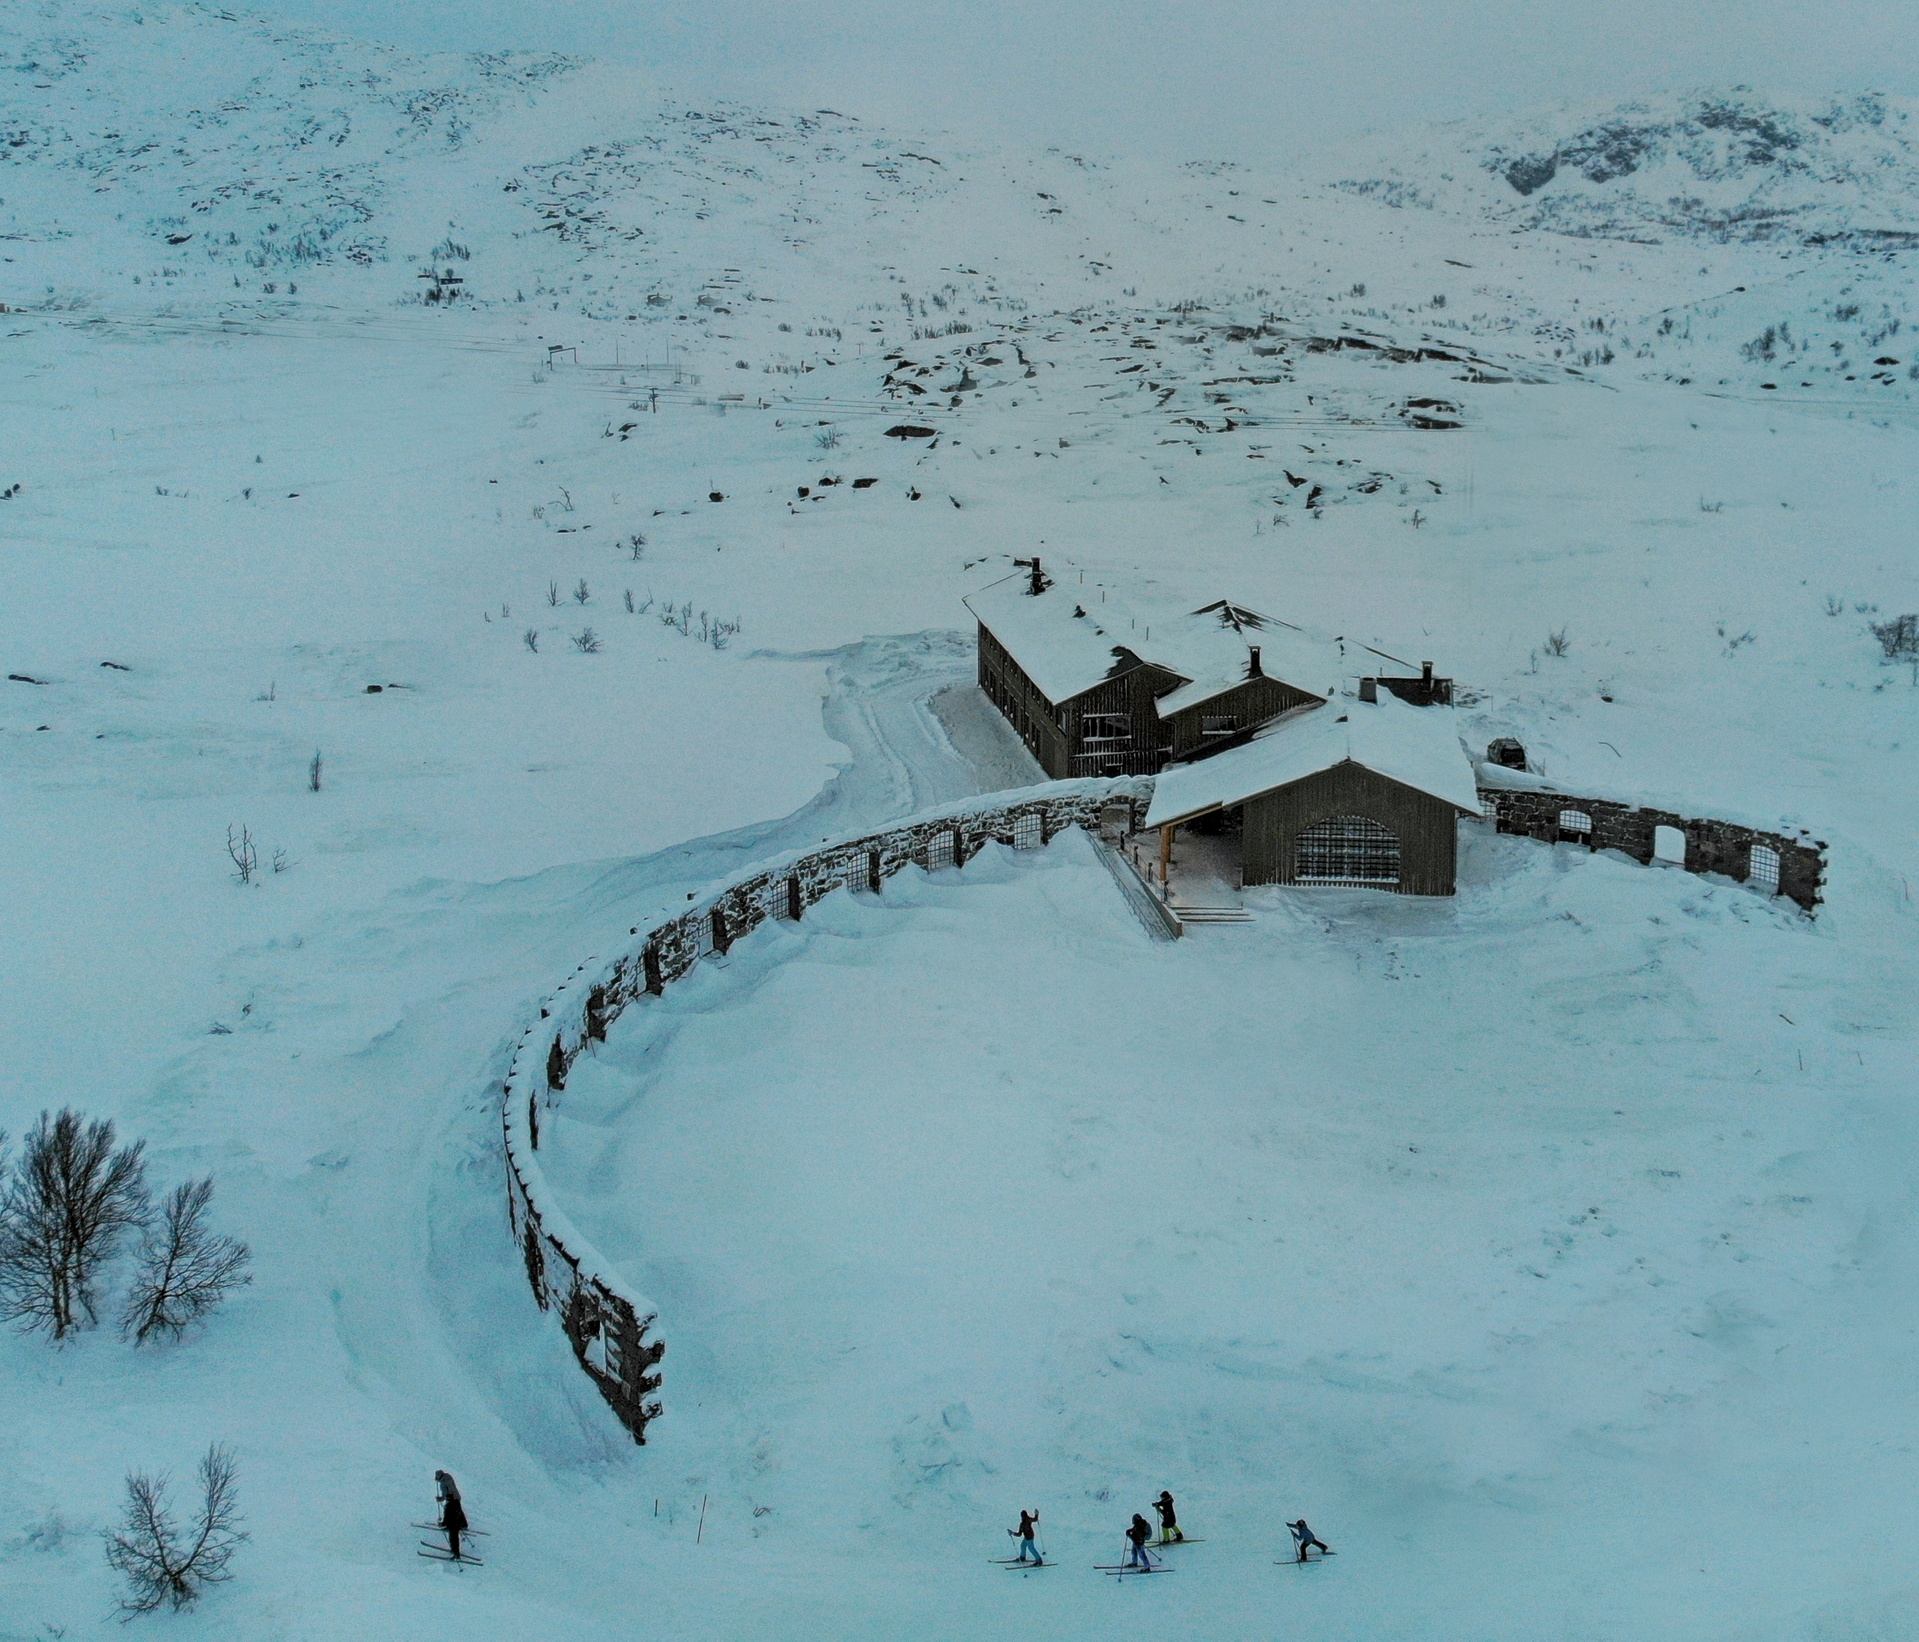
[[586, 641], [531, 639], [314, 771], [1557, 644], [71, 1198], [241, 851], [553, 593], [161, 1562], [186, 1268], [582, 594]]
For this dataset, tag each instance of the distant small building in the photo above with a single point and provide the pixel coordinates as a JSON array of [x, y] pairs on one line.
[[1354, 792]]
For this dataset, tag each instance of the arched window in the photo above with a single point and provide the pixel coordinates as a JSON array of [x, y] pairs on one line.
[[1762, 868], [1347, 849], [1576, 825]]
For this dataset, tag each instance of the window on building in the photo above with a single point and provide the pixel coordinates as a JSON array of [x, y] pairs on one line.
[[1347, 849], [1669, 844], [1762, 868], [1576, 826], [1223, 724], [1026, 832], [1105, 727]]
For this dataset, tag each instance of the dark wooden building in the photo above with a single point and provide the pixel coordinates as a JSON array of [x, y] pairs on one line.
[[1354, 793], [1097, 687]]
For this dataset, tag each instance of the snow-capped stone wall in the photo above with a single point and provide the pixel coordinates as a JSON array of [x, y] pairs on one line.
[[1711, 846], [606, 1320]]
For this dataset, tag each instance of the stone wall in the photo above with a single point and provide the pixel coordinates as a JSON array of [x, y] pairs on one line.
[[606, 1321], [1711, 846]]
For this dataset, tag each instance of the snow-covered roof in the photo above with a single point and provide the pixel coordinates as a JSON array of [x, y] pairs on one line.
[[1416, 746], [1075, 635]]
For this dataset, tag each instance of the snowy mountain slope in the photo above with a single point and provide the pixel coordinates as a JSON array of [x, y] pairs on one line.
[[260, 502], [204, 161], [1714, 167]]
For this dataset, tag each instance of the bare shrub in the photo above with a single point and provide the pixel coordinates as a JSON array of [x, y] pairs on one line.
[[1557, 644], [315, 769], [553, 594], [161, 1562], [244, 856], [185, 1268], [1899, 638], [531, 639], [582, 594], [71, 1198], [629, 601], [586, 641]]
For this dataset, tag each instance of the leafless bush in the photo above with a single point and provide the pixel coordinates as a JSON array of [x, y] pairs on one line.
[[582, 594], [1899, 638], [1835, 606], [71, 1198], [1557, 644], [636, 545], [531, 639], [828, 440], [629, 601], [314, 771], [185, 1268], [164, 1564], [243, 855], [553, 594], [586, 641]]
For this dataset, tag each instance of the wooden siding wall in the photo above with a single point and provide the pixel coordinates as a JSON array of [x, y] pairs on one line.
[[1428, 827], [1023, 706], [1133, 693], [1258, 701]]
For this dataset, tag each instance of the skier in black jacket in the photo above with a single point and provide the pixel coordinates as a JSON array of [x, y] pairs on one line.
[[1028, 1524], [1136, 1537], [1169, 1529], [452, 1513]]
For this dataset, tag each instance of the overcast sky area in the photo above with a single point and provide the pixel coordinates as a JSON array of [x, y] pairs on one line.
[[1217, 79]]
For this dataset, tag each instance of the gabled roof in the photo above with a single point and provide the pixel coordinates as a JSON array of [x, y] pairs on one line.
[[1076, 635], [1063, 653], [1416, 746]]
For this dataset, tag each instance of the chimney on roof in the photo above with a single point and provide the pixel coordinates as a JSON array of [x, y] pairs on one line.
[[1426, 677], [1369, 689], [1252, 662], [1038, 584]]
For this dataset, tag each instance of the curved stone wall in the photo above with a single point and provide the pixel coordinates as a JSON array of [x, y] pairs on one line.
[[608, 1322]]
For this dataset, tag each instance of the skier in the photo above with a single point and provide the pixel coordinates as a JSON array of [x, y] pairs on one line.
[[1304, 1539], [1169, 1529], [452, 1513], [1136, 1537], [1028, 1523]]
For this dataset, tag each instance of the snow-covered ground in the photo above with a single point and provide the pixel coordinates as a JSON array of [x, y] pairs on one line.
[[948, 1211]]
